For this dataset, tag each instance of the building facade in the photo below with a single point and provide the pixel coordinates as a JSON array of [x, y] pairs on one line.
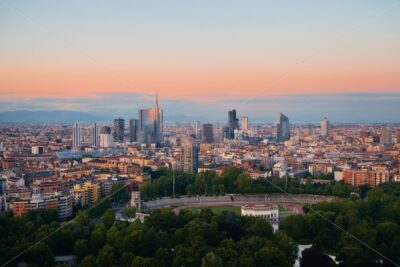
[[119, 130], [282, 128], [94, 135], [76, 136], [133, 127], [150, 125], [365, 176], [189, 158], [208, 133], [325, 127], [233, 124], [265, 211]]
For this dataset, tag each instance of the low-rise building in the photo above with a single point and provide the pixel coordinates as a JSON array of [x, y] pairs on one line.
[[266, 211]]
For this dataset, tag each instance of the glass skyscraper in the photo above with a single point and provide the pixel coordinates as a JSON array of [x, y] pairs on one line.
[[282, 128], [150, 125]]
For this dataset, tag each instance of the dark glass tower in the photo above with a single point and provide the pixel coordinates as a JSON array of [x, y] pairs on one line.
[[282, 128], [119, 128], [233, 124]]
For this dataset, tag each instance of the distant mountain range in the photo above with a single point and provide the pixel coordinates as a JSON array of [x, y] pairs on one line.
[[68, 116], [54, 116]]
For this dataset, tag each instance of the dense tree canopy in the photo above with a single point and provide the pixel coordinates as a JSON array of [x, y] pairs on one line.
[[375, 220], [165, 239], [235, 180]]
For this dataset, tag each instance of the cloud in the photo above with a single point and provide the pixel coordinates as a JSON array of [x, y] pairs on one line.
[[348, 107]]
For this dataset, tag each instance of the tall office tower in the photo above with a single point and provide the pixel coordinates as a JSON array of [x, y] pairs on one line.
[[133, 125], [386, 136], [94, 135], [233, 124], [189, 158], [76, 136], [119, 128], [197, 130], [325, 126], [282, 128], [245, 123], [150, 125], [208, 133]]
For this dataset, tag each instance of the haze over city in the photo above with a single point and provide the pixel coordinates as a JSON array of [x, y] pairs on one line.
[[307, 58]]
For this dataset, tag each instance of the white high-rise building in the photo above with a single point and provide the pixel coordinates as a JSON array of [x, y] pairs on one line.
[[94, 135], [244, 123], [76, 136], [106, 140], [325, 126]]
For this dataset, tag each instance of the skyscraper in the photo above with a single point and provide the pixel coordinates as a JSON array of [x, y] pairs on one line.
[[197, 130], [189, 158], [386, 136], [325, 126], [150, 125], [76, 136], [119, 128], [94, 135], [233, 124], [133, 125], [245, 123], [208, 133], [282, 128]]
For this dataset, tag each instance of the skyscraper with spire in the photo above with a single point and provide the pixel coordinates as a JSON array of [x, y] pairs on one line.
[[150, 125]]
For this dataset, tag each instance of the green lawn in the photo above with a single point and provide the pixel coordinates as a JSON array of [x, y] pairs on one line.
[[216, 209]]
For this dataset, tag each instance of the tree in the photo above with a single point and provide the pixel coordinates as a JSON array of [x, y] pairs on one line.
[[295, 226], [108, 218], [130, 212], [271, 256], [81, 248], [312, 257], [256, 226], [98, 238], [243, 182], [88, 261], [119, 193], [106, 256], [42, 216], [40, 255], [211, 260]]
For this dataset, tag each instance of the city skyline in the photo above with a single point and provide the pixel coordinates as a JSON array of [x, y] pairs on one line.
[[304, 54], [199, 133]]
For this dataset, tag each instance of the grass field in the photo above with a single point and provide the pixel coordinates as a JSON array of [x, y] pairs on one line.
[[216, 209]]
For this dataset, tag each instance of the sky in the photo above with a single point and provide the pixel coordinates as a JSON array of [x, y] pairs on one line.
[[307, 59]]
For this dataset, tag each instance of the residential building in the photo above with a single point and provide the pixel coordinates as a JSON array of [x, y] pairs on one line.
[[189, 158]]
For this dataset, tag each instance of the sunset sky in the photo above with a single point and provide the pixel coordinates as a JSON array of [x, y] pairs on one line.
[[74, 55]]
